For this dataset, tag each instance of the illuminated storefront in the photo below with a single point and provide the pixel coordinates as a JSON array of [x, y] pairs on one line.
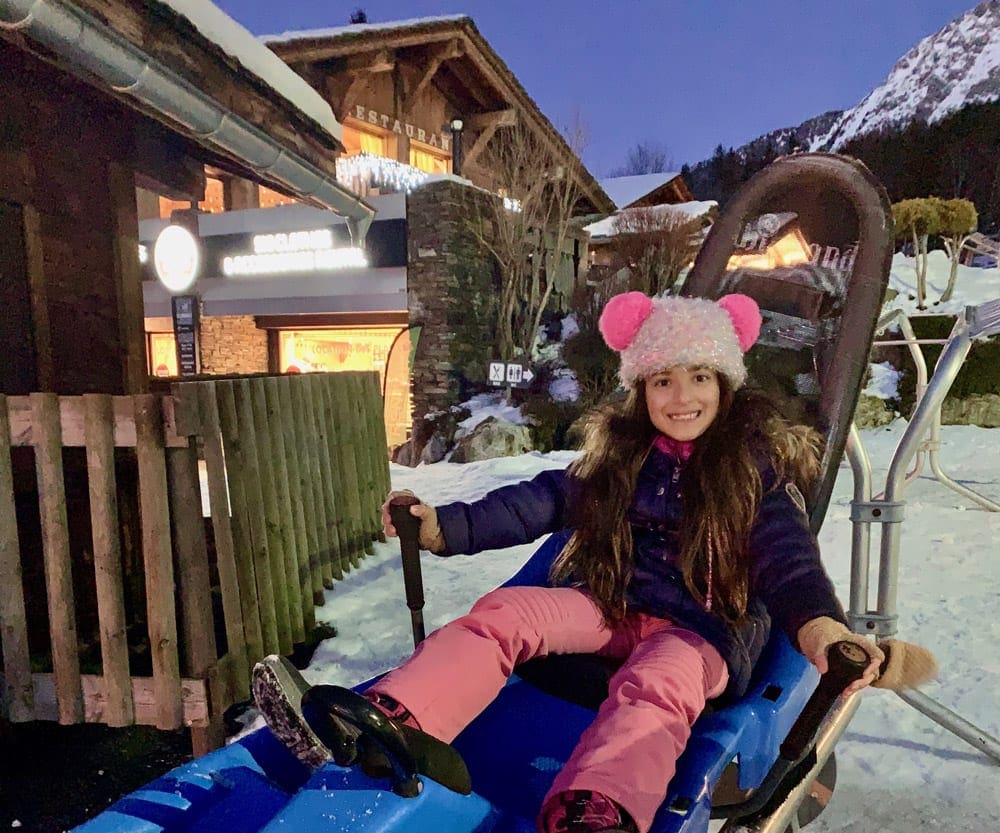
[[282, 290], [385, 349]]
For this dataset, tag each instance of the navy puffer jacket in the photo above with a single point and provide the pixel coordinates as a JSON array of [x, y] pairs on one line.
[[788, 584]]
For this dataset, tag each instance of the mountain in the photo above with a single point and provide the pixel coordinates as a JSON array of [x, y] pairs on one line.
[[955, 67]]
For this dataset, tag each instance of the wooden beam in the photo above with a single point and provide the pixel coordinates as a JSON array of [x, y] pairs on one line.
[[428, 69], [498, 118], [72, 415], [193, 695], [344, 91], [381, 60], [487, 124]]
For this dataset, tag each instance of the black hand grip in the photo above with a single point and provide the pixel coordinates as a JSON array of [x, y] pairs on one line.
[[847, 663], [323, 704], [408, 529]]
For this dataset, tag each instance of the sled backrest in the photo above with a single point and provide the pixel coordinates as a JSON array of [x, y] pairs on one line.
[[810, 239]]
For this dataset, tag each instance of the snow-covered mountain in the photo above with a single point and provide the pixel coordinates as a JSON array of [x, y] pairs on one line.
[[956, 66]]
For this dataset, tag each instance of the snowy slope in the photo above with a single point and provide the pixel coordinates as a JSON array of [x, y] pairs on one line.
[[956, 66]]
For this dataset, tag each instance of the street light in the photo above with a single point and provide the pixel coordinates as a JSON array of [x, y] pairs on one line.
[[456, 126]]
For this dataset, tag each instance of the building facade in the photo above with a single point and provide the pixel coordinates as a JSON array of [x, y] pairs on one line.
[[420, 102]]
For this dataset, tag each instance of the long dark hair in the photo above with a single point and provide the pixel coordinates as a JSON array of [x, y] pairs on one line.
[[721, 491]]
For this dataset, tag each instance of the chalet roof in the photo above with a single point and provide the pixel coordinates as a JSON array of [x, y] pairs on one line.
[[605, 228], [315, 45], [232, 38], [625, 190]]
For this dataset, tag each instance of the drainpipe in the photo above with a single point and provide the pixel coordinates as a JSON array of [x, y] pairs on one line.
[[100, 51]]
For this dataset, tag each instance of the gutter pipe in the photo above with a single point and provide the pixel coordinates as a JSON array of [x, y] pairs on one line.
[[96, 48]]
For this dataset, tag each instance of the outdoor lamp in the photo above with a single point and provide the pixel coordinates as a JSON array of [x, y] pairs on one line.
[[456, 126]]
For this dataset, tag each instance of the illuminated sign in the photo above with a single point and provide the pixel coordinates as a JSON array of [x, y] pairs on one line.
[[296, 251], [176, 258], [435, 140]]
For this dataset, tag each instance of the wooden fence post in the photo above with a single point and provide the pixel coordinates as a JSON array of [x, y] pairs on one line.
[[317, 427], [300, 526], [267, 510], [155, 511], [13, 623], [55, 542], [99, 430], [242, 625], [312, 497]]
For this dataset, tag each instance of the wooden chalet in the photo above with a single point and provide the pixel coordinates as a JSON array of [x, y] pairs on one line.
[[102, 539]]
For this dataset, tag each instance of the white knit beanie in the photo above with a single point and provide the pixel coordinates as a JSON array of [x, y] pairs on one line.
[[655, 334]]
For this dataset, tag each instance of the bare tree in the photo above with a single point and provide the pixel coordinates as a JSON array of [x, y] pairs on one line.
[[655, 245], [528, 227], [647, 157]]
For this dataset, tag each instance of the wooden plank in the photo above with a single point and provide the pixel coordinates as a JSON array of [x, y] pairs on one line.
[[326, 534], [17, 691], [187, 525], [299, 525], [249, 473], [193, 696], [385, 478], [99, 431], [380, 444], [154, 510], [340, 560], [267, 509], [286, 529], [312, 504], [347, 440], [127, 276], [34, 245], [73, 419], [58, 569], [368, 412], [324, 477], [242, 633]]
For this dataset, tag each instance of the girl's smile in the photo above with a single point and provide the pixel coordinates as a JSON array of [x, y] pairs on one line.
[[683, 401]]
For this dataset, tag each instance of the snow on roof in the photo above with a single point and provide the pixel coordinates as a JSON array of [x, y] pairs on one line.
[[625, 190], [360, 28], [684, 211], [217, 27]]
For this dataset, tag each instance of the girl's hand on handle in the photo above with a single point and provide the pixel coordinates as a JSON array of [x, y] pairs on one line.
[[817, 635], [431, 537]]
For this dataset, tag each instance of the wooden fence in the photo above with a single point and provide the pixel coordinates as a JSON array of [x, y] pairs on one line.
[[296, 472]]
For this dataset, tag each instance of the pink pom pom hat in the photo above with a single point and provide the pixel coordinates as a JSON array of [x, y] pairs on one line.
[[653, 334]]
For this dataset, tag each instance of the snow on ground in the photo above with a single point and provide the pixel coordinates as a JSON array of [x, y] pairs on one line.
[[972, 285], [898, 771]]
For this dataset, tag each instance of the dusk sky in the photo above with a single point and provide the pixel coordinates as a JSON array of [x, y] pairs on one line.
[[688, 75]]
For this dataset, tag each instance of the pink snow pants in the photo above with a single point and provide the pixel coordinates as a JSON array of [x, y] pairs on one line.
[[629, 752]]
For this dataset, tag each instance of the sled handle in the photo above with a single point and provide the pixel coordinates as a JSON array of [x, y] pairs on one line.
[[847, 663], [408, 529], [322, 704]]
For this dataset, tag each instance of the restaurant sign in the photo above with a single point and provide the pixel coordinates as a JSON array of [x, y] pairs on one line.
[[435, 140]]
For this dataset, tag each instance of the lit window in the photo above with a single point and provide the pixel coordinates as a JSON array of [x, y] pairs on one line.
[[168, 206], [360, 140], [357, 348], [269, 198], [215, 200], [429, 159], [162, 352]]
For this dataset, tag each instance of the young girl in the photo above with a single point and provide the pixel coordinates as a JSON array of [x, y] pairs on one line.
[[690, 538]]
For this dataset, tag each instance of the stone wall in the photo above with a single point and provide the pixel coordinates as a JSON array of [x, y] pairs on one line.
[[452, 293], [232, 344]]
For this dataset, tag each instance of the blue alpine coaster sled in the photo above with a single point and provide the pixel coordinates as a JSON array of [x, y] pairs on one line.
[[810, 239]]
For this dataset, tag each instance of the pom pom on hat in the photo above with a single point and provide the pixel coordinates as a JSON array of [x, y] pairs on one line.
[[745, 314], [654, 334], [622, 317]]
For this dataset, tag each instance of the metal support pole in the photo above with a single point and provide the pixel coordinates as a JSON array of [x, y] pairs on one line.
[[887, 509]]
